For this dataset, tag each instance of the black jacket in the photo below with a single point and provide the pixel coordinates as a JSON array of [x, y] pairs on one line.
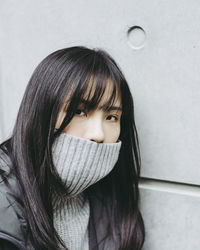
[[14, 233]]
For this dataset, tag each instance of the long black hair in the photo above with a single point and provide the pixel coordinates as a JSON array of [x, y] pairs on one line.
[[69, 72]]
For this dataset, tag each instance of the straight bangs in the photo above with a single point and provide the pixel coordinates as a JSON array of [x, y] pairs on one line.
[[94, 81]]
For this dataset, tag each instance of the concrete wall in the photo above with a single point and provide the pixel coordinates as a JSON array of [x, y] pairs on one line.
[[157, 45]]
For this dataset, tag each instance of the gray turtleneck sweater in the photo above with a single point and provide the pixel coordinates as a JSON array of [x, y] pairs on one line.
[[80, 163]]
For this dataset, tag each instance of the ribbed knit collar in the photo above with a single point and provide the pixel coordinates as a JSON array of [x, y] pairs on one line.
[[81, 163]]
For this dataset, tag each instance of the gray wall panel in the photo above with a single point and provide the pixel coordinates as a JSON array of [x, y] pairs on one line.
[[171, 215], [166, 87]]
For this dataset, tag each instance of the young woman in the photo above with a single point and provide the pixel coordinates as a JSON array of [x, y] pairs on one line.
[[69, 173]]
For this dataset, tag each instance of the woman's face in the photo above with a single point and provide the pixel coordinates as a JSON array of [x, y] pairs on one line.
[[97, 125]]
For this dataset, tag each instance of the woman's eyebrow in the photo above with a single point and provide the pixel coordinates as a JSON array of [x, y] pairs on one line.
[[104, 107], [111, 108]]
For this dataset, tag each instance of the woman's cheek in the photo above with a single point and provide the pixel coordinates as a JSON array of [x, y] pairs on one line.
[[113, 132]]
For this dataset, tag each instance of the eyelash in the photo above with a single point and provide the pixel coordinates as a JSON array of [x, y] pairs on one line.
[[115, 117], [76, 112], [79, 111]]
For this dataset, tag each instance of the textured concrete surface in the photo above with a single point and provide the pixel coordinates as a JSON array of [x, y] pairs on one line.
[[171, 215]]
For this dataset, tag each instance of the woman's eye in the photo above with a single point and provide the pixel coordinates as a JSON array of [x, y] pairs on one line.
[[80, 112], [112, 118]]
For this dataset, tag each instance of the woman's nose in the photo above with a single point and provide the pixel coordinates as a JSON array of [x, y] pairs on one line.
[[94, 130]]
